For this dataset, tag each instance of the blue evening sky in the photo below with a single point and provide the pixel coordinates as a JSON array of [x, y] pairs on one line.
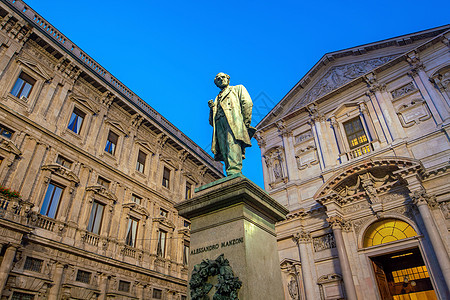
[[168, 52]]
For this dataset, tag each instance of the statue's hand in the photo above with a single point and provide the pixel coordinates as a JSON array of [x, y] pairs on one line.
[[211, 103]]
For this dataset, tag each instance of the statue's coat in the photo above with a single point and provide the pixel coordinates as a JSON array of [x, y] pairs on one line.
[[237, 106]]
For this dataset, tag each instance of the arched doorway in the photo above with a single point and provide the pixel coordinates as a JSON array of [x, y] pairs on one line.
[[400, 275]]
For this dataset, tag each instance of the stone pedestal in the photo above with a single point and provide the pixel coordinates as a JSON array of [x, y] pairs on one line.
[[234, 217]]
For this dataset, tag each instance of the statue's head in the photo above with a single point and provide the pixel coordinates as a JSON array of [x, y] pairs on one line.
[[222, 80]]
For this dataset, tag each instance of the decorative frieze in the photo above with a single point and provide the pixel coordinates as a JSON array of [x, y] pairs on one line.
[[406, 89], [324, 242], [304, 136]]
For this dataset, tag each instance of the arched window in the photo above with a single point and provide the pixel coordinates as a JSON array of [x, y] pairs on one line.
[[386, 231]]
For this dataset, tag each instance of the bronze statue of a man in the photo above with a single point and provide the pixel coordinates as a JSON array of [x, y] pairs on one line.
[[230, 116]]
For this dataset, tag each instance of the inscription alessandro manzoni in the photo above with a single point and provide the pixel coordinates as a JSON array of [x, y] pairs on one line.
[[217, 246]]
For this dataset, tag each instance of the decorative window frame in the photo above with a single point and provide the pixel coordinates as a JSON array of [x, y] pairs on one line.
[[88, 108], [10, 152], [119, 129], [148, 159], [347, 112], [172, 166], [35, 71]]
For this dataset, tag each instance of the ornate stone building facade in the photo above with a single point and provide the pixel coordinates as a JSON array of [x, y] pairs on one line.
[[359, 152], [98, 172]]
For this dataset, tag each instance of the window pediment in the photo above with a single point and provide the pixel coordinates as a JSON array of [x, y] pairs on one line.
[[9, 146], [146, 145], [137, 208], [35, 67], [62, 171], [102, 191], [170, 161], [117, 125], [164, 221], [86, 103], [345, 109], [191, 176]]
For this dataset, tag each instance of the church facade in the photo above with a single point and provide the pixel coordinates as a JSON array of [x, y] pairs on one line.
[[358, 151], [89, 175]]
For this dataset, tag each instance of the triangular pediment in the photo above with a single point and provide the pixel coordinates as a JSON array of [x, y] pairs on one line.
[[145, 144], [117, 125], [62, 171], [344, 108], [86, 103], [191, 176], [170, 161], [345, 68], [35, 67], [9, 146]]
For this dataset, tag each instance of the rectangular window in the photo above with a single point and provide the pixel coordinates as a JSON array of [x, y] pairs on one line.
[[163, 213], [186, 252], [83, 276], [157, 294], [23, 86], [95, 220], [187, 224], [161, 249], [356, 137], [33, 264], [183, 297], [104, 182], [166, 177], [22, 296], [63, 162], [51, 200], [140, 165], [136, 199], [188, 193], [111, 143], [76, 120], [6, 132], [124, 286], [131, 232]]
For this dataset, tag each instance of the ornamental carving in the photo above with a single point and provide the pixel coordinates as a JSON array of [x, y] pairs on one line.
[[102, 191], [340, 75], [137, 208], [307, 157], [302, 237], [9, 146], [422, 198], [324, 242], [406, 89], [61, 171], [413, 113], [274, 159], [227, 287], [293, 288], [304, 136]]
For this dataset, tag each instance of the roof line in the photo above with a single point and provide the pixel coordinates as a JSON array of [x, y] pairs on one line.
[[69, 47]]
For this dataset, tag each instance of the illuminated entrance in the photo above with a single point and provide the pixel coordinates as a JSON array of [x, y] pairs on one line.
[[400, 275]]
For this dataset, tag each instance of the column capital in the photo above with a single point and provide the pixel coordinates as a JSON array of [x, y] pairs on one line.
[[420, 198], [336, 222], [302, 237]]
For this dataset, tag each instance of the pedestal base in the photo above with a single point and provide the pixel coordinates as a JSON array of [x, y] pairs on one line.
[[236, 218]]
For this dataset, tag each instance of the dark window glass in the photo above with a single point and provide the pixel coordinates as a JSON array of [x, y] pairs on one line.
[[6, 132], [183, 297], [166, 177], [63, 162], [23, 86], [22, 296], [161, 248], [51, 200], [187, 224], [186, 253], [124, 286], [102, 181], [132, 227], [136, 199], [140, 165], [157, 294], [163, 212], [83, 276], [95, 220], [33, 264], [111, 143], [76, 120], [188, 190]]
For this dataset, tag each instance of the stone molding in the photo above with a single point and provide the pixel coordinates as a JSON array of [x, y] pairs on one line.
[[302, 237]]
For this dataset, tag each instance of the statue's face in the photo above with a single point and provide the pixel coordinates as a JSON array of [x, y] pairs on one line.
[[221, 80]]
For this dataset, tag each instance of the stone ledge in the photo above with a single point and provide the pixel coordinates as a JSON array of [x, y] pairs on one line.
[[229, 191]]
